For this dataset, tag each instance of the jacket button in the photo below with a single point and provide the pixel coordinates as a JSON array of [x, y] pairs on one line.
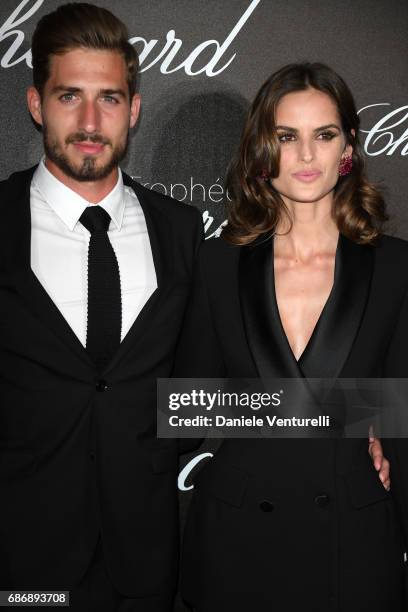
[[322, 500], [101, 385], [266, 506]]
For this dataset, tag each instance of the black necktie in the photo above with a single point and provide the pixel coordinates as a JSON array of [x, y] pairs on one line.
[[104, 295]]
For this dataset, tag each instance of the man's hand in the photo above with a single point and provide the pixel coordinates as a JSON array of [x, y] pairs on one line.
[[381, 464]]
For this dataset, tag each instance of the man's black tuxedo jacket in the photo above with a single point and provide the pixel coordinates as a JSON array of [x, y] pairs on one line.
[[297, 524], [78, 448]]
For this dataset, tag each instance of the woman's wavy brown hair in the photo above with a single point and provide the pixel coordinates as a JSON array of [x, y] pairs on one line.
[[255, 206]]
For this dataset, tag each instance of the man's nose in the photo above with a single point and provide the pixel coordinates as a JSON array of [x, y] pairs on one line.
[[90, 116]]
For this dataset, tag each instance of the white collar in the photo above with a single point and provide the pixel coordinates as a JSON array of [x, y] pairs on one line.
[[69, 206]]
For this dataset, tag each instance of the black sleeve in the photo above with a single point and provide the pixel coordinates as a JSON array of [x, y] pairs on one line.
[[198, 353], [396, 449]]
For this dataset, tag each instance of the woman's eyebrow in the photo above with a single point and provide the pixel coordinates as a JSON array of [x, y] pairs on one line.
[[322, 127]]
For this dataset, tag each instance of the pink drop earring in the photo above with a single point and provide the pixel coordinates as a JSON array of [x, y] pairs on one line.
[[346, 165]]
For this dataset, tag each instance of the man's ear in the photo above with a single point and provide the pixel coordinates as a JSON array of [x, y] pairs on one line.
[[34, 104], [134, 109]]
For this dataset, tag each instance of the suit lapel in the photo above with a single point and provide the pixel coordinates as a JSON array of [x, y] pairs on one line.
[[266, 338], [27, 284], [160, 238], [337, 327]]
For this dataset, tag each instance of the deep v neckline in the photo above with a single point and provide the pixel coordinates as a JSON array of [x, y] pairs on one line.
[[335, 331], [322, 312]]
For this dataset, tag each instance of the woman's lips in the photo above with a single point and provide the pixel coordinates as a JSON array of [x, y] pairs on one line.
[[307, 176]]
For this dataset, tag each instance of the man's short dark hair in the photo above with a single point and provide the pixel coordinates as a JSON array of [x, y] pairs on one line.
[[80, 25]]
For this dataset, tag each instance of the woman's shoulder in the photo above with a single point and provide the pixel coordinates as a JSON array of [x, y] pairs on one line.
[[391, 247], [391, 264], [218, 259]]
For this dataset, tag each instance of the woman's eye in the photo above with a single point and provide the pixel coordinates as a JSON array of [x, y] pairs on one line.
[[327, 135], [290, 137], [287, 137]]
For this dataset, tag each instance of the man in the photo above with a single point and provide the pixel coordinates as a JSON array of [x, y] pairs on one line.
[[95, 274]]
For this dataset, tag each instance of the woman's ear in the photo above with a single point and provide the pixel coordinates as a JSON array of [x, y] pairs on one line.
[[348, 149]]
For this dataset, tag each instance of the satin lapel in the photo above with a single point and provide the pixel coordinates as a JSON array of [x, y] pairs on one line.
[[334, 334], [27, 284], [160, 238], [266, 338]]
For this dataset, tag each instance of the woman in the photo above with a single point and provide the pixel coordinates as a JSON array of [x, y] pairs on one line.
[[302, 283]]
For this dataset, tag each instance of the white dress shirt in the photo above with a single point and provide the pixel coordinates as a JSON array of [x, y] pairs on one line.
[[59, 248]]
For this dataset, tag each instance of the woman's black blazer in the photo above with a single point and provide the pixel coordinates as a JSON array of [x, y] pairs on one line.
[[288, 524]]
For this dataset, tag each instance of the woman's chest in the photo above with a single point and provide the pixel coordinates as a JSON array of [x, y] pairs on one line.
[[302, 292]]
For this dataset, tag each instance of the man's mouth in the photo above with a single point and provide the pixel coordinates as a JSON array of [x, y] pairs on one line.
[[91, 148]]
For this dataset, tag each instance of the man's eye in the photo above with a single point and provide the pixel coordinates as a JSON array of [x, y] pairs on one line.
[[287, 137], [110, 99], [68, 97]]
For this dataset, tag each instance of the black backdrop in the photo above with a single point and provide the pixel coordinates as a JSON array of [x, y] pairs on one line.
[[202, 62]]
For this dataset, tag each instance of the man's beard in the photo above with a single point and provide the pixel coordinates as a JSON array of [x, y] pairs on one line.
[[88, 170]]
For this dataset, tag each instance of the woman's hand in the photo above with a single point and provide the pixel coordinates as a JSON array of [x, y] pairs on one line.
[[381, 464]]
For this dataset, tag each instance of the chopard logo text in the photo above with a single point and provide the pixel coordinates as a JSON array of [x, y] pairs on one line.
[[389, 133], [150, 54]]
